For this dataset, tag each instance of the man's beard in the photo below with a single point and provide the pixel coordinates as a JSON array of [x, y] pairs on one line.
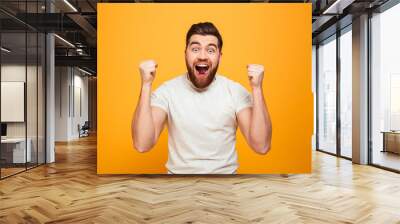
[[198, 83]]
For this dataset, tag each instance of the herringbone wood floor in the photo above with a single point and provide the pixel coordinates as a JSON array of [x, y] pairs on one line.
[[69, 191]]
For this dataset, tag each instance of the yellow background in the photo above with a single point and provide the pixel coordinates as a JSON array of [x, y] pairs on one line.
[[275, 35]]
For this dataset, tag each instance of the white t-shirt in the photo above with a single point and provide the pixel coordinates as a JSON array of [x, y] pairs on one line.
[[202, 124]]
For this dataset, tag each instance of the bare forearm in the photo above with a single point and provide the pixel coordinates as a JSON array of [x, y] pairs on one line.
[[142, 125], [260, 125]]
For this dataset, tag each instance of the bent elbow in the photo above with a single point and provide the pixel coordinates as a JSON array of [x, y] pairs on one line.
[[141, 148], [260, 146], [262, 149]]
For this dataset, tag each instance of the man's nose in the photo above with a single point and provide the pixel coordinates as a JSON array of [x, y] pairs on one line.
[[202, 54]]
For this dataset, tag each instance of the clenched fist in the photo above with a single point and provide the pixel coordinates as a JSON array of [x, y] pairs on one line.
[[147, 71], [256, 74]]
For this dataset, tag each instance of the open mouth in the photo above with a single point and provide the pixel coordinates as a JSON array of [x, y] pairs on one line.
[[201, 68]]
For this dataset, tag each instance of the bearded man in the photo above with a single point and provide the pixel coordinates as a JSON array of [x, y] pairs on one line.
[[202, 110]]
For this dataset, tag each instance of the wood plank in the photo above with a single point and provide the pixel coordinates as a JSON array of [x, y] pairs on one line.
[[70, 191]]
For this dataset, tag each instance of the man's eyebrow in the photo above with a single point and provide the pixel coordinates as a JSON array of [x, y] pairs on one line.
[[214, 45], [194, 42]]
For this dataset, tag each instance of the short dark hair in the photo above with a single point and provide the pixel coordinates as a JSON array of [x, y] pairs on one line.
[[205, 28]]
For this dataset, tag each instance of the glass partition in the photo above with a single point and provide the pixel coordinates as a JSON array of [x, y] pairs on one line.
[[346, 93], [22, 88], [385, 89], [327, 95], [14, 153]]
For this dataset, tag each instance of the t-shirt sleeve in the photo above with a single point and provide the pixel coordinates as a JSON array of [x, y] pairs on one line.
[[242, 97], [159, 98]]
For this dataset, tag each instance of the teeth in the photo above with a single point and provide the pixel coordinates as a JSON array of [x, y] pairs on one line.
[[201, 65]]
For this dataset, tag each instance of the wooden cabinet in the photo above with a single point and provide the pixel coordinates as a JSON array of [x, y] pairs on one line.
[[391, 141]]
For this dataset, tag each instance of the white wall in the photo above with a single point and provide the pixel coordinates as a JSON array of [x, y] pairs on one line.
[[62, 81], [80, 84], [13, 73], [71, 93]]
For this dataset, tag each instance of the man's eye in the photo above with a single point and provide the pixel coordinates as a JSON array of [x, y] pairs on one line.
[[195, 49], [211, 51]]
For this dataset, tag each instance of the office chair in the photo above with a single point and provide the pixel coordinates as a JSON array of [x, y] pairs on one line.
[[84, 130]]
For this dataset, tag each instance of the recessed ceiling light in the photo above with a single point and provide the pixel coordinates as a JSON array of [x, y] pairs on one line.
[[64, 40], [70, 5], [337, 7], [84, 71], [5, 50]]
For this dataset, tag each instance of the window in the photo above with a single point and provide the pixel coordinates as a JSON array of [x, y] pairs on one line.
[[346, 93], [327, 95], [385, 88]]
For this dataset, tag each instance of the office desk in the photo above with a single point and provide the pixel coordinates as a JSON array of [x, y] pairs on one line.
[[13, 150], [391, 141]]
